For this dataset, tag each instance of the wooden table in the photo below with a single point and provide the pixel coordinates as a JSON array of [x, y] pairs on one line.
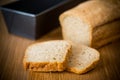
[[12, 51]]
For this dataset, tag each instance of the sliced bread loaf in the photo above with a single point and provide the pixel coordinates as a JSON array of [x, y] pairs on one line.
[[82, 59], [82, 23], [47, 56]]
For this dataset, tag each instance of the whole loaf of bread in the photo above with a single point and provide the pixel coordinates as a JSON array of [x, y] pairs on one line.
[[93, 23]]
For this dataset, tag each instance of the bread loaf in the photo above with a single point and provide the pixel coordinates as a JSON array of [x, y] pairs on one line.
[[47, 56], [82, 59], [82, 23]]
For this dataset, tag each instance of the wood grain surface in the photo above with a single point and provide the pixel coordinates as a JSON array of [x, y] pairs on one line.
[[12, 49]]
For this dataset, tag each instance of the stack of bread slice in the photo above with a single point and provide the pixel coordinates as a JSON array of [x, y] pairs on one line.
[[93, 23]]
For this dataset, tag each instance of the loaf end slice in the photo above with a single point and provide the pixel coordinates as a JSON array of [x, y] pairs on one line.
[[47, 56], [83, 59]]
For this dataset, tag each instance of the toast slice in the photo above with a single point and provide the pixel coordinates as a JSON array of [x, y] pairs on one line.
[[47, 56], [82, 59]]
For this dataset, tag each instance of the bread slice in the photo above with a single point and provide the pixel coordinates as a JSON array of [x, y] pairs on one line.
[[81, 23], [82, 59], [47, 56]]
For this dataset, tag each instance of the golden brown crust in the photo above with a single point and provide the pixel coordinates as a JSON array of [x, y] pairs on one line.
[[46, 66]]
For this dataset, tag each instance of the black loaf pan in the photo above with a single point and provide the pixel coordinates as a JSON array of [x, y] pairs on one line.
[[34, 18]]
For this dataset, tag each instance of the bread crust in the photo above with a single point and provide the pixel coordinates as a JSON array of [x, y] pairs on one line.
[[45, 66]]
